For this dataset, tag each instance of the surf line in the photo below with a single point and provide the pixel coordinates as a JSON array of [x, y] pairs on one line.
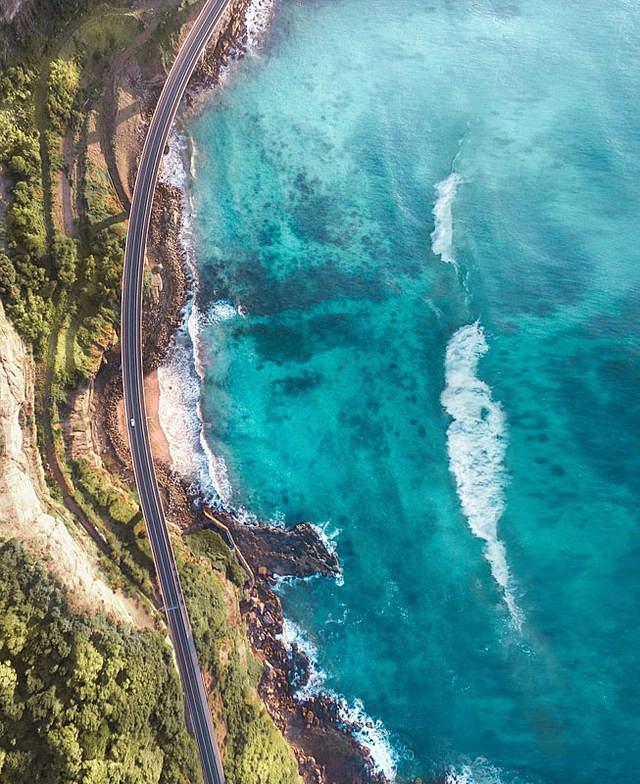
[[442, 234], [476, 444], [477, 433]]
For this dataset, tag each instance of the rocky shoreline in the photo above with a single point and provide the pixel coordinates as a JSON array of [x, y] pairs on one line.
[[322, 738]]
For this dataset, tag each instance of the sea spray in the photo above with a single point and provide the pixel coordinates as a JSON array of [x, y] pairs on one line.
[[479, 771], [442, 235], [371, 733], [476, 443]]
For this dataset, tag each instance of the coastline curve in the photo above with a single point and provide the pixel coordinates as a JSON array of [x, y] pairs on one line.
[[133, 387]]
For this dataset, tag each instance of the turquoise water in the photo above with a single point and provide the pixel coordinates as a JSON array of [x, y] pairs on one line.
[[424, 215]]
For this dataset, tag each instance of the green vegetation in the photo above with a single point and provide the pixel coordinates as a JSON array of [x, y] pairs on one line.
[[255, 752], [210, 544], [24, 280], [113, 509], [44, 273], [117, 502], [86, 702], [31, 33], [82, 701], [63, 83]]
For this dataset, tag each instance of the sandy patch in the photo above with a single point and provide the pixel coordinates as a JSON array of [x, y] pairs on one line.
[[159, 443], [157, 437]]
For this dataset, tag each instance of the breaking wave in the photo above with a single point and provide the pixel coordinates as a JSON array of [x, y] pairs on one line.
[[476, 443], [257, 19], [442, 235], [371, 733], [480, 771], [180, 377]]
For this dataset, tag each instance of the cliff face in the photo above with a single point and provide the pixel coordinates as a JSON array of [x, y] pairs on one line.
[[27, 511], [10, 8], [16, 22]]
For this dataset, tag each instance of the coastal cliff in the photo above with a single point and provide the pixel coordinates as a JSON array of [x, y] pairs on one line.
[[27, 511]]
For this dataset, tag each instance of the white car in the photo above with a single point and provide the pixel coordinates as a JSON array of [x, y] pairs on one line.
[[132, 422]]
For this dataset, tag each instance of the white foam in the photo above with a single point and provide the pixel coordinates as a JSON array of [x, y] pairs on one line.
[[477, 442], [181, 377], [173, 168], [328, 535], [281, 581], [257, 19], [442, 235], [220, 311], [480, 771], [292, 635], [371, 733]]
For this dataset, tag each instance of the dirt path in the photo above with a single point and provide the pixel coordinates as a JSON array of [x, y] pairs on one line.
[[4, 200], [63, 213], [50, 453], [107, 129], [65, 181]]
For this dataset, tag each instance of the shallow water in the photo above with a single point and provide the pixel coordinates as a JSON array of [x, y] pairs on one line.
[[422, 219]]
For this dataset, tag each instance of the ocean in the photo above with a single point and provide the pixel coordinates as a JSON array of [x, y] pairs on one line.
[[414, 227]]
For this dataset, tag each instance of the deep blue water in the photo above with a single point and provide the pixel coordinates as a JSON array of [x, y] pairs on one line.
[[453, 393]]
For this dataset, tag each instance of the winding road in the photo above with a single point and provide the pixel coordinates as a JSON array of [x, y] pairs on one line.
[[198, 710]]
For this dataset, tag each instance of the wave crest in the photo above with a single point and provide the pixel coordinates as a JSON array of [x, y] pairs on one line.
[[442, 235], [477, 443]]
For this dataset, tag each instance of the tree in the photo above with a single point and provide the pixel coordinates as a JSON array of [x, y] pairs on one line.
[[7, 277], [82, 701], [65, 260]]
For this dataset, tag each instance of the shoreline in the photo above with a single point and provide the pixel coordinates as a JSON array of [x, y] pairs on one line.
[[327, 735]]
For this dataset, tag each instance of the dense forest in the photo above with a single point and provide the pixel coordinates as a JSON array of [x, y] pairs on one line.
[[82, 700], [44, 274]]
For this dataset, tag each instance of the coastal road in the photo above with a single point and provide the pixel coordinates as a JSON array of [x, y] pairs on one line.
[[133, 389]]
